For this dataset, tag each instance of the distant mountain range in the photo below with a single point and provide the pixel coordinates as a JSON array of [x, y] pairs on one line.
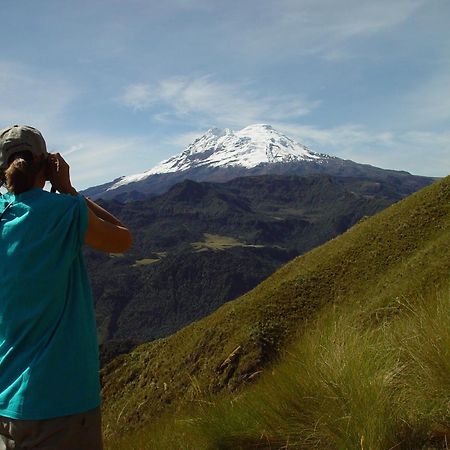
[[221, 155]]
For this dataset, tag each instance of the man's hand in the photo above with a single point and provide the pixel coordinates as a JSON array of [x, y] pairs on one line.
[[59, 174]]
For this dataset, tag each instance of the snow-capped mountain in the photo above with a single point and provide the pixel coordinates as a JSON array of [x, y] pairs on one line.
[[246, 148], [222, 154]]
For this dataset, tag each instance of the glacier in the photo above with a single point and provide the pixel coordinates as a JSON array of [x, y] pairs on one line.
[[253, 145]]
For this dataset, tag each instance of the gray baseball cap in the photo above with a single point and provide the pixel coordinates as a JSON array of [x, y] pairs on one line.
[[19, 138]]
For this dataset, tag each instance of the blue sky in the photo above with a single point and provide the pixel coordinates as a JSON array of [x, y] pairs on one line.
[[118, 85]]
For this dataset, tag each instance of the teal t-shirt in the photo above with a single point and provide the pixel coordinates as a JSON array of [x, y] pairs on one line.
[[49, 365]]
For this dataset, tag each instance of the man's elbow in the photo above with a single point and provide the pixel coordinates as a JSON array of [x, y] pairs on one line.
[[125, 242], [128, 241], [107, 237], [119, 242]]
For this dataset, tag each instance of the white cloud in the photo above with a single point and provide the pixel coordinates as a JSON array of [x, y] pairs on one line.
[[137, 96], [427, 139], [362, 18], [95, 158], [150, 8], [430, 102], [340, 137], [32, 96], [210, 102], [419, 152], [182, 140], [320, 27]]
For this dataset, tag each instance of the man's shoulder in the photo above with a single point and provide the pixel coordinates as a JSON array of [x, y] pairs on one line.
[[55, 204], [59, 199]]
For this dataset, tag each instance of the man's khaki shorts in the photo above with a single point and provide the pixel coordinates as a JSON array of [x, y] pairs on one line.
[[76, 432]]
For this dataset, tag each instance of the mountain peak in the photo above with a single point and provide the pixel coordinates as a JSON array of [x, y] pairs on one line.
[[216, 132], [258, 126], [224, 148]]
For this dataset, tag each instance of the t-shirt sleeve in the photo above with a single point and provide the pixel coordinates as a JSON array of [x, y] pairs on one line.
[[83, 218], [76, 223]]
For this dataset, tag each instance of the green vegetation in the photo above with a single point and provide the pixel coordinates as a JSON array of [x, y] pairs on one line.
[[368, 366]]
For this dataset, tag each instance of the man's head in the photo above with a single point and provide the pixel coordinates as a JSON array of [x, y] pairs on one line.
[[20, 138]]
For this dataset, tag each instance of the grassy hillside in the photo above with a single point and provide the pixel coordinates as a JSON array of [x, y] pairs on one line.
[[342, 385], [375, 267]]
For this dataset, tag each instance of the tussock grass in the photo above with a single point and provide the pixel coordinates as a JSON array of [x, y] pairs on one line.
[[346, 387], [340, 386], [424, 339]]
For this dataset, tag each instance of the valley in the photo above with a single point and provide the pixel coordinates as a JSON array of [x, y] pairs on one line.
[[203, 244]]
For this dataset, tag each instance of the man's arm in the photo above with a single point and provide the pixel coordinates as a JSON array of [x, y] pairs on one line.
[[106, 236], [102, 213]]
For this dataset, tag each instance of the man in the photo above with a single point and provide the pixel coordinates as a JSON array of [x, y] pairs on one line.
[[49, 368]]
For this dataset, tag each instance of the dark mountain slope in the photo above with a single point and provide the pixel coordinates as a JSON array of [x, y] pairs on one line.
[[158, 184], [380, 261]]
